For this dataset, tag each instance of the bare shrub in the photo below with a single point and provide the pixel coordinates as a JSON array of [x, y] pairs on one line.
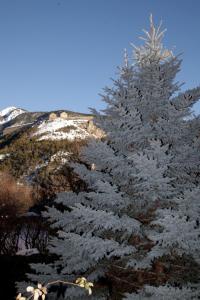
[[34, 234], [15, 198]]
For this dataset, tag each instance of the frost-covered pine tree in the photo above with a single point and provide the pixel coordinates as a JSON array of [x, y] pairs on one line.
[[178, 224], [97, 229], [136, 177]]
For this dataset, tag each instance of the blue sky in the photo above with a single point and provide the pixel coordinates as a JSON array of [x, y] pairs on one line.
[[59, 54]]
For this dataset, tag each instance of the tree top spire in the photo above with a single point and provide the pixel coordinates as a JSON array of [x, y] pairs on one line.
[[152, 51]]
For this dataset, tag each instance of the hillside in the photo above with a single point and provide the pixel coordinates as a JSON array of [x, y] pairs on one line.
[[36, 147]]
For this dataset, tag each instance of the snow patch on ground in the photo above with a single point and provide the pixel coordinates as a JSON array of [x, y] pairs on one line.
[[61, 156], [40, 166], [30, 214], [3, 156], [52, 130], [27, 252]]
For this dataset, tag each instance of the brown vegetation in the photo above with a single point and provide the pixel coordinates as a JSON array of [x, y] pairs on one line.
[[15, 198], [26, 152]]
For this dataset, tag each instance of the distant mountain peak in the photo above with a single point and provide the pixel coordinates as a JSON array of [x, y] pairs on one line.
[[7, 110], [10, 113]]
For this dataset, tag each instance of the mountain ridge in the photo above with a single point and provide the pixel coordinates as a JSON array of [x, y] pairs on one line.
[[13, 118]]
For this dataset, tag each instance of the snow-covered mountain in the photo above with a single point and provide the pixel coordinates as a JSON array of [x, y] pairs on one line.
[[10, 113], [56, 125]]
